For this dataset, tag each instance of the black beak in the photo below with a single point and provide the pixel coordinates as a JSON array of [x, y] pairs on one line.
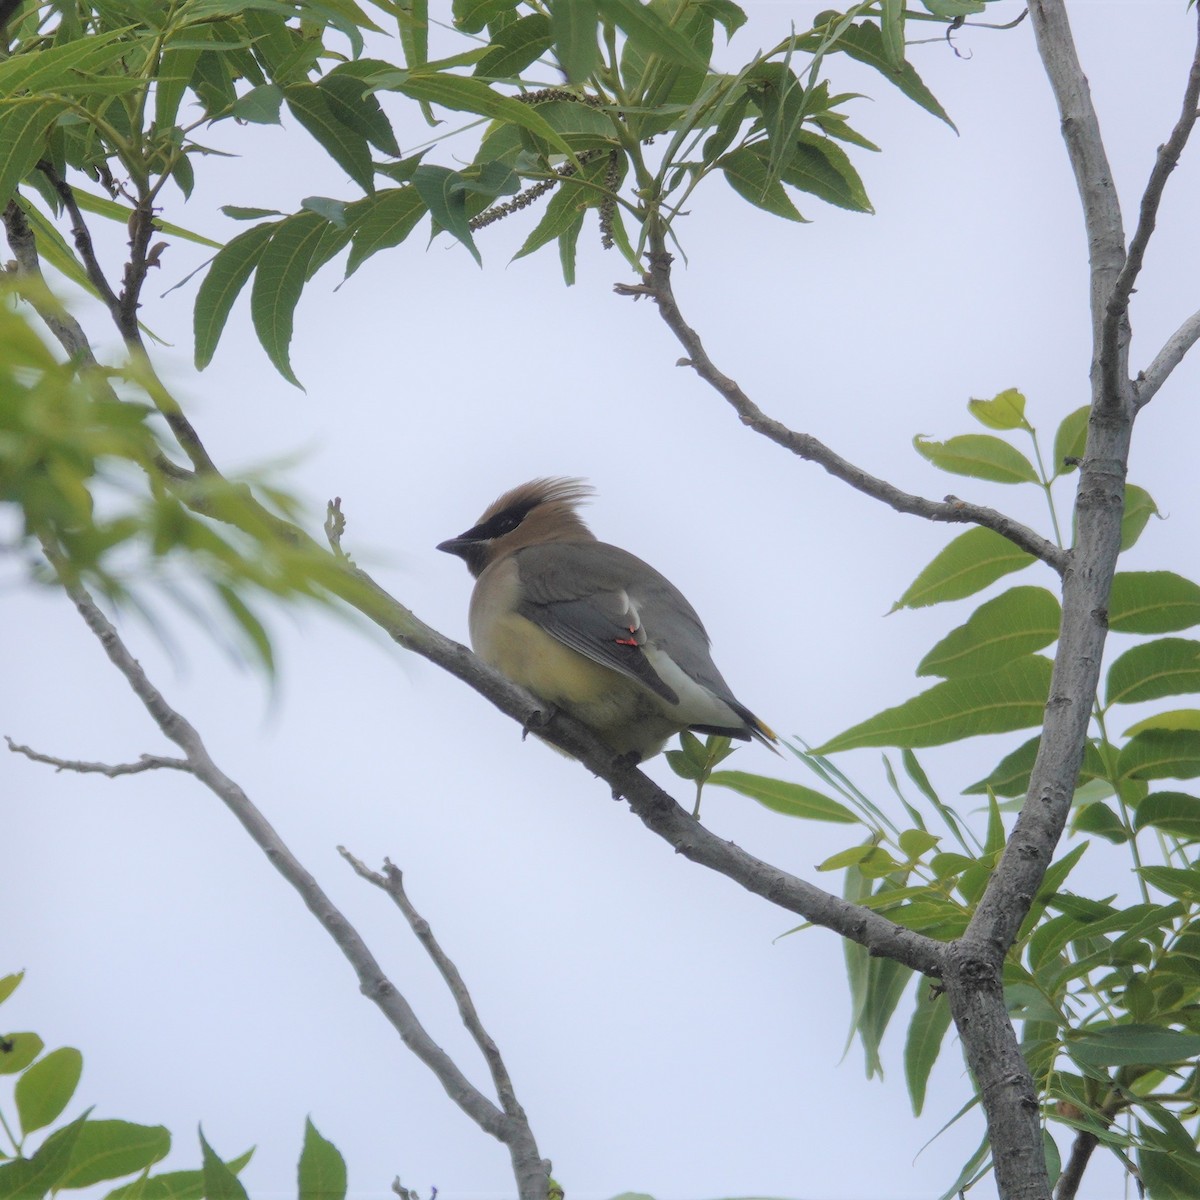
[[461, 545]]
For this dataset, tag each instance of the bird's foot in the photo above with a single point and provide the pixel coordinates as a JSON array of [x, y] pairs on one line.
[[538, 719]]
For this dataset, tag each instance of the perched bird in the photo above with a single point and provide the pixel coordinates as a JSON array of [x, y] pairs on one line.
[[589, 628]]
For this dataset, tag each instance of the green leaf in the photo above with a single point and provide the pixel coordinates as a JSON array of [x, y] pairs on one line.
[[382, 220], [1183, 883], [1133, 1046], [472, 15], [470, 95], [967, 565], [259, 105], [748, 171], [322, 1168], [315, 110], [1163, 667], [1015, 623], [980, 456], [573, 27], [19, 1050], [1099, 819], [24, 126], [926, 1031], [220, 1182], [24, 1179], [1005, 410], [1160, 754], [173, 1185], [226, 277], [518, 45], [444, 192], [56, 68], [1179, 718], [412, 19], [9, 984], [358, 110], [1011, 775], [46, 1088], [1175, 813], [820, 166], [782, 796], [1152, 602], [1139, 508], [886, 981], [284, 266], [114, 1149], [1070, 440], [649, 33], [1013, 697], [864, 42]]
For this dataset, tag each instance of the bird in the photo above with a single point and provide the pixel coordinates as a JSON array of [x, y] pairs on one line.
[[589, 628]]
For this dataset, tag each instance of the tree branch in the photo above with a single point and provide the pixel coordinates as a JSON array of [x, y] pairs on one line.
[[391, 881], [147, 762], [1166, 360], [372, 980], [1116, 310], [656, 284]]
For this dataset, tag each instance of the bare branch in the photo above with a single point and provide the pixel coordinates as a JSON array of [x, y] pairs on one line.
[[147, 762], [373, 981], [66, 330], [1116, 311], [1089, 162], [1166, 360], [391, 881], [656, 284]]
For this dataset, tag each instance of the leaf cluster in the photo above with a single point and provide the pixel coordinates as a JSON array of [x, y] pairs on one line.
[[88, 1151]]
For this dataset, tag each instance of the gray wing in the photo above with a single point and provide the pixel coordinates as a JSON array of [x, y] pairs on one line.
[[595, 598]]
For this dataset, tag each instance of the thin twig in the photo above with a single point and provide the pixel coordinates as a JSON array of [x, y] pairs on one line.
[[147, 762], [391, 881], [1116, 310], [656, 284]]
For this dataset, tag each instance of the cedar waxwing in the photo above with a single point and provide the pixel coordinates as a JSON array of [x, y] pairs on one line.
[[590, 628]]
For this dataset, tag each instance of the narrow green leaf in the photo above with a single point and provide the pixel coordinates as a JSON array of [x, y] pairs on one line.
[[174, 74], [226, 277], [382, 220], [1152, 602], [820, 166], [886, 981], [891, 25], [1139, 508], [1160, 754], [19, 1050], [260, 105], [359, 111], [462, 94], [220, 1182], [9, 984], [322, 1168], [412, 20], [1015, 623], [1005, 410], [282, 270], [315, 110], [1070, 440], [24, 125], [1163, 667], [114, 1149], [747, 170], [1175, 813], [1181, 882], [1011, 775], [1097, 818], [1179, 718], [864, 42], [1133, 1045], [174, 1185], [980, 456], [1013, 697], [444, 192], [649, 33], [573, 27], [561, 213], [122, 213], [967, 565], [472, 15], [518, 45], [46, 1088], [783, 796], [24, 1179], [54, 67], [926, 1031]]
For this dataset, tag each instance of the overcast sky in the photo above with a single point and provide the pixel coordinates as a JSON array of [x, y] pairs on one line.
[[662, 1035]]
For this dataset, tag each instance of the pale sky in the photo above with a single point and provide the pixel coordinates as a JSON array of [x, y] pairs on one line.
[[662, 1035]]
